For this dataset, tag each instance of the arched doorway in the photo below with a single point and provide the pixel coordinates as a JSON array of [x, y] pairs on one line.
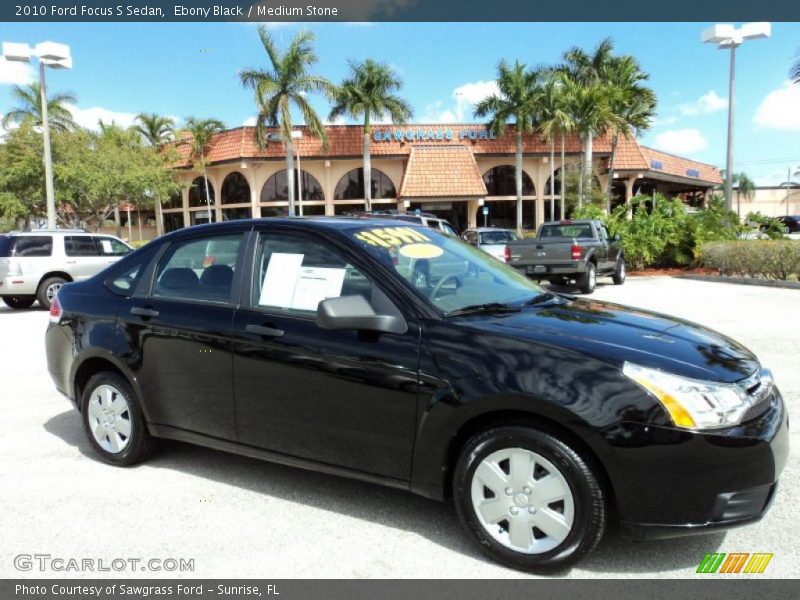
[[198, 200], [351, 186], [235, 190]]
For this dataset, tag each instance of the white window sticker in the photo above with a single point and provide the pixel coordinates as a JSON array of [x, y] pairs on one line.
[[106, 245], [279, 282], [287, 284]]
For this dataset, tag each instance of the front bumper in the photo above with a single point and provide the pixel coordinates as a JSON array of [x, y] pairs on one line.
[[670, 482]]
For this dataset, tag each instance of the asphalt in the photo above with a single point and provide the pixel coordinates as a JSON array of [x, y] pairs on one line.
[[237, 517]]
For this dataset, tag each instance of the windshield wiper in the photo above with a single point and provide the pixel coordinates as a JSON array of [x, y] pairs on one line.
[[541, 299], [493, 308]]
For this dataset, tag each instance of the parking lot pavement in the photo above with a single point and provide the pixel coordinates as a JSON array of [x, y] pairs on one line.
[[238, 517]]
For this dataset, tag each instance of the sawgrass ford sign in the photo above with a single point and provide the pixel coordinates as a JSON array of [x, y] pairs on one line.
[[411, 134]]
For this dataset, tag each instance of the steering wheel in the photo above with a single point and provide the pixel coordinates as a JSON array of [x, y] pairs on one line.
[[441, 283]]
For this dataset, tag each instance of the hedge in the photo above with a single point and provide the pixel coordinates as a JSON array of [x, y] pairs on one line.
[[764, 259]]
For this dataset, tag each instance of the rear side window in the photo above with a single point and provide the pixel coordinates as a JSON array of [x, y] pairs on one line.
[[80, 245], [199, 269], [125, 275], [33, 245], [6, 246]]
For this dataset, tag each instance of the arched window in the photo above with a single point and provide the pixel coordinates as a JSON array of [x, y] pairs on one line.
[[197, 193], [276, 189], [501, 181], [235, 189], [351, 186], [558, 184]]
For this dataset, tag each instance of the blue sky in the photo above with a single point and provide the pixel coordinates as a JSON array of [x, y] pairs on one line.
[[192, 69]]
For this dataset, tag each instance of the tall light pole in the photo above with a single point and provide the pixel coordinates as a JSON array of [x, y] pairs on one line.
[[730, 37], [55, 56]]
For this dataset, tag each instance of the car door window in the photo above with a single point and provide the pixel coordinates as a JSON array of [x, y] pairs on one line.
[[294, 274], [199, 269], [108, 246], [34, 245], [80, 245]]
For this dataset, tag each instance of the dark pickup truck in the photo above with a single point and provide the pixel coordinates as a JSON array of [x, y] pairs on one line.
[[567, 252]]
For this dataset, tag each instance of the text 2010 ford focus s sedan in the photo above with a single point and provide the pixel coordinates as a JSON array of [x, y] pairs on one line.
[[398, 355]]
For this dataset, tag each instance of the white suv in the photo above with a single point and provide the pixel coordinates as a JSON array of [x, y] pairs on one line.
[[35, 264]]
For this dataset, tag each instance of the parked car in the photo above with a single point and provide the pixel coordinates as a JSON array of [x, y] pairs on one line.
[[542, 416], [791, 223], [491, 240], [570, 252], [34, 265]]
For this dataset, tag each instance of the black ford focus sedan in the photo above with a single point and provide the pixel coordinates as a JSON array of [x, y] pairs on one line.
[[395, 354]]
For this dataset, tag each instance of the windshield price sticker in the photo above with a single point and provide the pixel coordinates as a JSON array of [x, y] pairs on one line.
[[389, 237]]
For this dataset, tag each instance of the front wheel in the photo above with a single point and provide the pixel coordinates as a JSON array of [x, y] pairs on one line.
[[18, 302], [619, 272], [588, 281], [529, 500]]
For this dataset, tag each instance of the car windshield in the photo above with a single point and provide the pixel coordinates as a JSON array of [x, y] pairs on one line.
[[450, 274], [497, 237]]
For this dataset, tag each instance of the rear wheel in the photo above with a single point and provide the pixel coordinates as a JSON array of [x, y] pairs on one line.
[[19, 301], [113, 420], [529, 500], [48, 290], [619, 272], [588, 281]]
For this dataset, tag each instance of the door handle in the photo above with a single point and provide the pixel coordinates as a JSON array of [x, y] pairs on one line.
[[263, 330], [144, 312]]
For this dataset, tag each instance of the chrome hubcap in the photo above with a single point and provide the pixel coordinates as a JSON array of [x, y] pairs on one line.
[[52, 289], [109, 419], [522, 500]]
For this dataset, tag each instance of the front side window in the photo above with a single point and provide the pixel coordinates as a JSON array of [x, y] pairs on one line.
[[34, 245], [448, 273], [294, 274], [109, 246], [200, 269]]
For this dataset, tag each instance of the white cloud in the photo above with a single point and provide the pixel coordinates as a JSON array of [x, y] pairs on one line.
[[707, 103], [665, 121], [336, 121], [780, 109], [681, 141], [464, 99], [249, 122], [15, 73], [90, 117]]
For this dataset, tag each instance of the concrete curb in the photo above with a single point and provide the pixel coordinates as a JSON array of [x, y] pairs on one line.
[[791, 285]]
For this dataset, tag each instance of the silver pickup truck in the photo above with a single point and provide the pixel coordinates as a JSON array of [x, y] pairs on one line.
[[569, 252]]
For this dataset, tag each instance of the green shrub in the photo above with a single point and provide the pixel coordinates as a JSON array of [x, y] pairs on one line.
[[768, 225], [764, 259]]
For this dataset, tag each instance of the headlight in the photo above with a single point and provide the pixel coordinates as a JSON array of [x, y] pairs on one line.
[[695, 404]]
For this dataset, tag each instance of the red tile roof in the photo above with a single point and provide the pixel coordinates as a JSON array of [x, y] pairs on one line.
[[630, 156], [441, 171]]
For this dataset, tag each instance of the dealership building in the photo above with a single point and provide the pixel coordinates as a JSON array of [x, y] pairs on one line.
[[463, 173]]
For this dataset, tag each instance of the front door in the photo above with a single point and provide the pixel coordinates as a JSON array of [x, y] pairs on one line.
[[181, 332], [345, 398]]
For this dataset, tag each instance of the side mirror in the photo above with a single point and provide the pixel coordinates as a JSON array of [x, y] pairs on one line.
[[616, 238], [354, 312]]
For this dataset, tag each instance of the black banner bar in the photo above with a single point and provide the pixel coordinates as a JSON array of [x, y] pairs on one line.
[[397, 10]]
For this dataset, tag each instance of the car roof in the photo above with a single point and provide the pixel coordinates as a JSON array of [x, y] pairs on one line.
[[315, 222], [53, 232]]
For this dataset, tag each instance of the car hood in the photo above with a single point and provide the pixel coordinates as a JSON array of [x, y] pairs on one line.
[[616, 333]]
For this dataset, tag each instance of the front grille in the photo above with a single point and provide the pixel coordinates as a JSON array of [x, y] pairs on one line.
[[759, 390], [756, 410]]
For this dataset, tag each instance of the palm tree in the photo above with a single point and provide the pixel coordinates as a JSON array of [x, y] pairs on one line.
[[517, 102], [554, 120], [587, 70], [632, 106], [202, 130], [29, 107], [154, 128], [370, 92], [794, 73], [285, 84], [744, 186]]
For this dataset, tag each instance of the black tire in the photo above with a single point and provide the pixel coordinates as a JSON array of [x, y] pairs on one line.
[[620, 272], [589, 518], [18, 302], [140, 443], [588, 281], [41, 293]]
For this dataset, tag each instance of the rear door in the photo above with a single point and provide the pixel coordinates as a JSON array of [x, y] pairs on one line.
[[180, 327]]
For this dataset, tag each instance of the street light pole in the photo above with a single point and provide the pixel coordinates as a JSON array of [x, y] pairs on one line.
[[731, 110], [48, 158]]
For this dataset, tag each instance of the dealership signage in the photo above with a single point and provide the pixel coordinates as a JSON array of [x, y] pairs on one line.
[[432, 134]]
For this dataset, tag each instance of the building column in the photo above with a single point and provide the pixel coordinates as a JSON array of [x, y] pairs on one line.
[[473, 207], [629, 194], [329, 210], [539, 204]]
